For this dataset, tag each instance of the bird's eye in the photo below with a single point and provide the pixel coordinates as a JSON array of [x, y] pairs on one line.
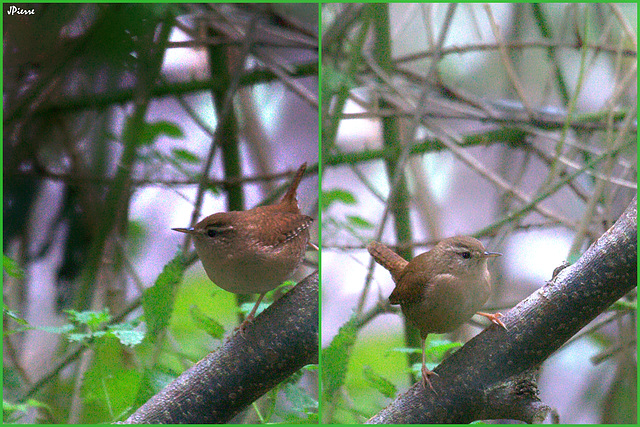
[[212, 232], [465, 254]]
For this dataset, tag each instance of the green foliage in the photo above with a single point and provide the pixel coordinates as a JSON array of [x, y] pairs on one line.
[[12, 268], [109, 385], [299, 400], [84, 326], [206, 323], [157, 301], [358, 222], [126, 333], [93, 319], [623, 305], [335, 359], [13, 412], [123, 30], [152, 131], [185, 156], [333, 80], [337, 195], [291, 402], [14, 316], [378, 382], [352, 224], [98, 327]]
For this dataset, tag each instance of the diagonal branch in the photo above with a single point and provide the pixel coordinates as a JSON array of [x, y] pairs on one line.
[[537, 327], [280, 341]]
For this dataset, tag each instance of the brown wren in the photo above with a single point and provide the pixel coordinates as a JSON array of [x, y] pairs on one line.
[[253, 251], [441, 289]]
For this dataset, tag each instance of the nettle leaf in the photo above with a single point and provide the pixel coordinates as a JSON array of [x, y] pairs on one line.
[[378, 382], [337, 196], [206, 323], [93, 319], [335, 359], [158, 300], [127, 334], [12, 268]]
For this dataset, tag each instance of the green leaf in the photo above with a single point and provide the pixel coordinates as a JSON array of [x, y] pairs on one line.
[[337, 196], [127, 334], [404, 350], [13, 315], [152, 131], [12, 268], [93, 319], [300, 401], [185, 156], [439, 349], [622, 305], [378, 382], [10, 410], [157, 301], [335, 359], [64, 329], [109, 385], [334, 80], [359, 222], [206, 323], [83, 336]]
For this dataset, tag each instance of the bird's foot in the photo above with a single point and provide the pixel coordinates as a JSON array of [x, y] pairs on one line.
[[242, 326], [495, 318], [426, 373]]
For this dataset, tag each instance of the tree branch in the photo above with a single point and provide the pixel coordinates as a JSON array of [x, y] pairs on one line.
[[281, 340], [469, 380]]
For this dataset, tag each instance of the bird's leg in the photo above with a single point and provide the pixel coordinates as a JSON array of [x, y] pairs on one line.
[[495, 318], [251, 315], [426, 373]]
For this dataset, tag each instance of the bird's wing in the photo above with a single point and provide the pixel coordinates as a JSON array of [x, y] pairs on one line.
[[412, 289], [288, 226]]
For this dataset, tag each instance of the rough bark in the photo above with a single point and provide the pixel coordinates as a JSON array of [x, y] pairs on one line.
[[490, 376], [281, 340]]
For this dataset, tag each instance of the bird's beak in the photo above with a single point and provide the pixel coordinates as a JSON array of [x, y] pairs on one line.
[[189, 230], [486, 254]]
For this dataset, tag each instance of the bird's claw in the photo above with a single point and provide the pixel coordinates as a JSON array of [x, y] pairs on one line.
[[495, 318], [425, 379]]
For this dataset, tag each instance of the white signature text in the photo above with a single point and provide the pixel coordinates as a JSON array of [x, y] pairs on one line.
[[20, 11]]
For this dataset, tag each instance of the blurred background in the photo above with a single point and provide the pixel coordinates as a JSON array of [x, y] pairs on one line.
[[120, 123], [514, 123]]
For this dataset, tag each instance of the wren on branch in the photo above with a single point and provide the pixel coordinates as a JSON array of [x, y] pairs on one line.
[[441, 289], [253, 251]]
